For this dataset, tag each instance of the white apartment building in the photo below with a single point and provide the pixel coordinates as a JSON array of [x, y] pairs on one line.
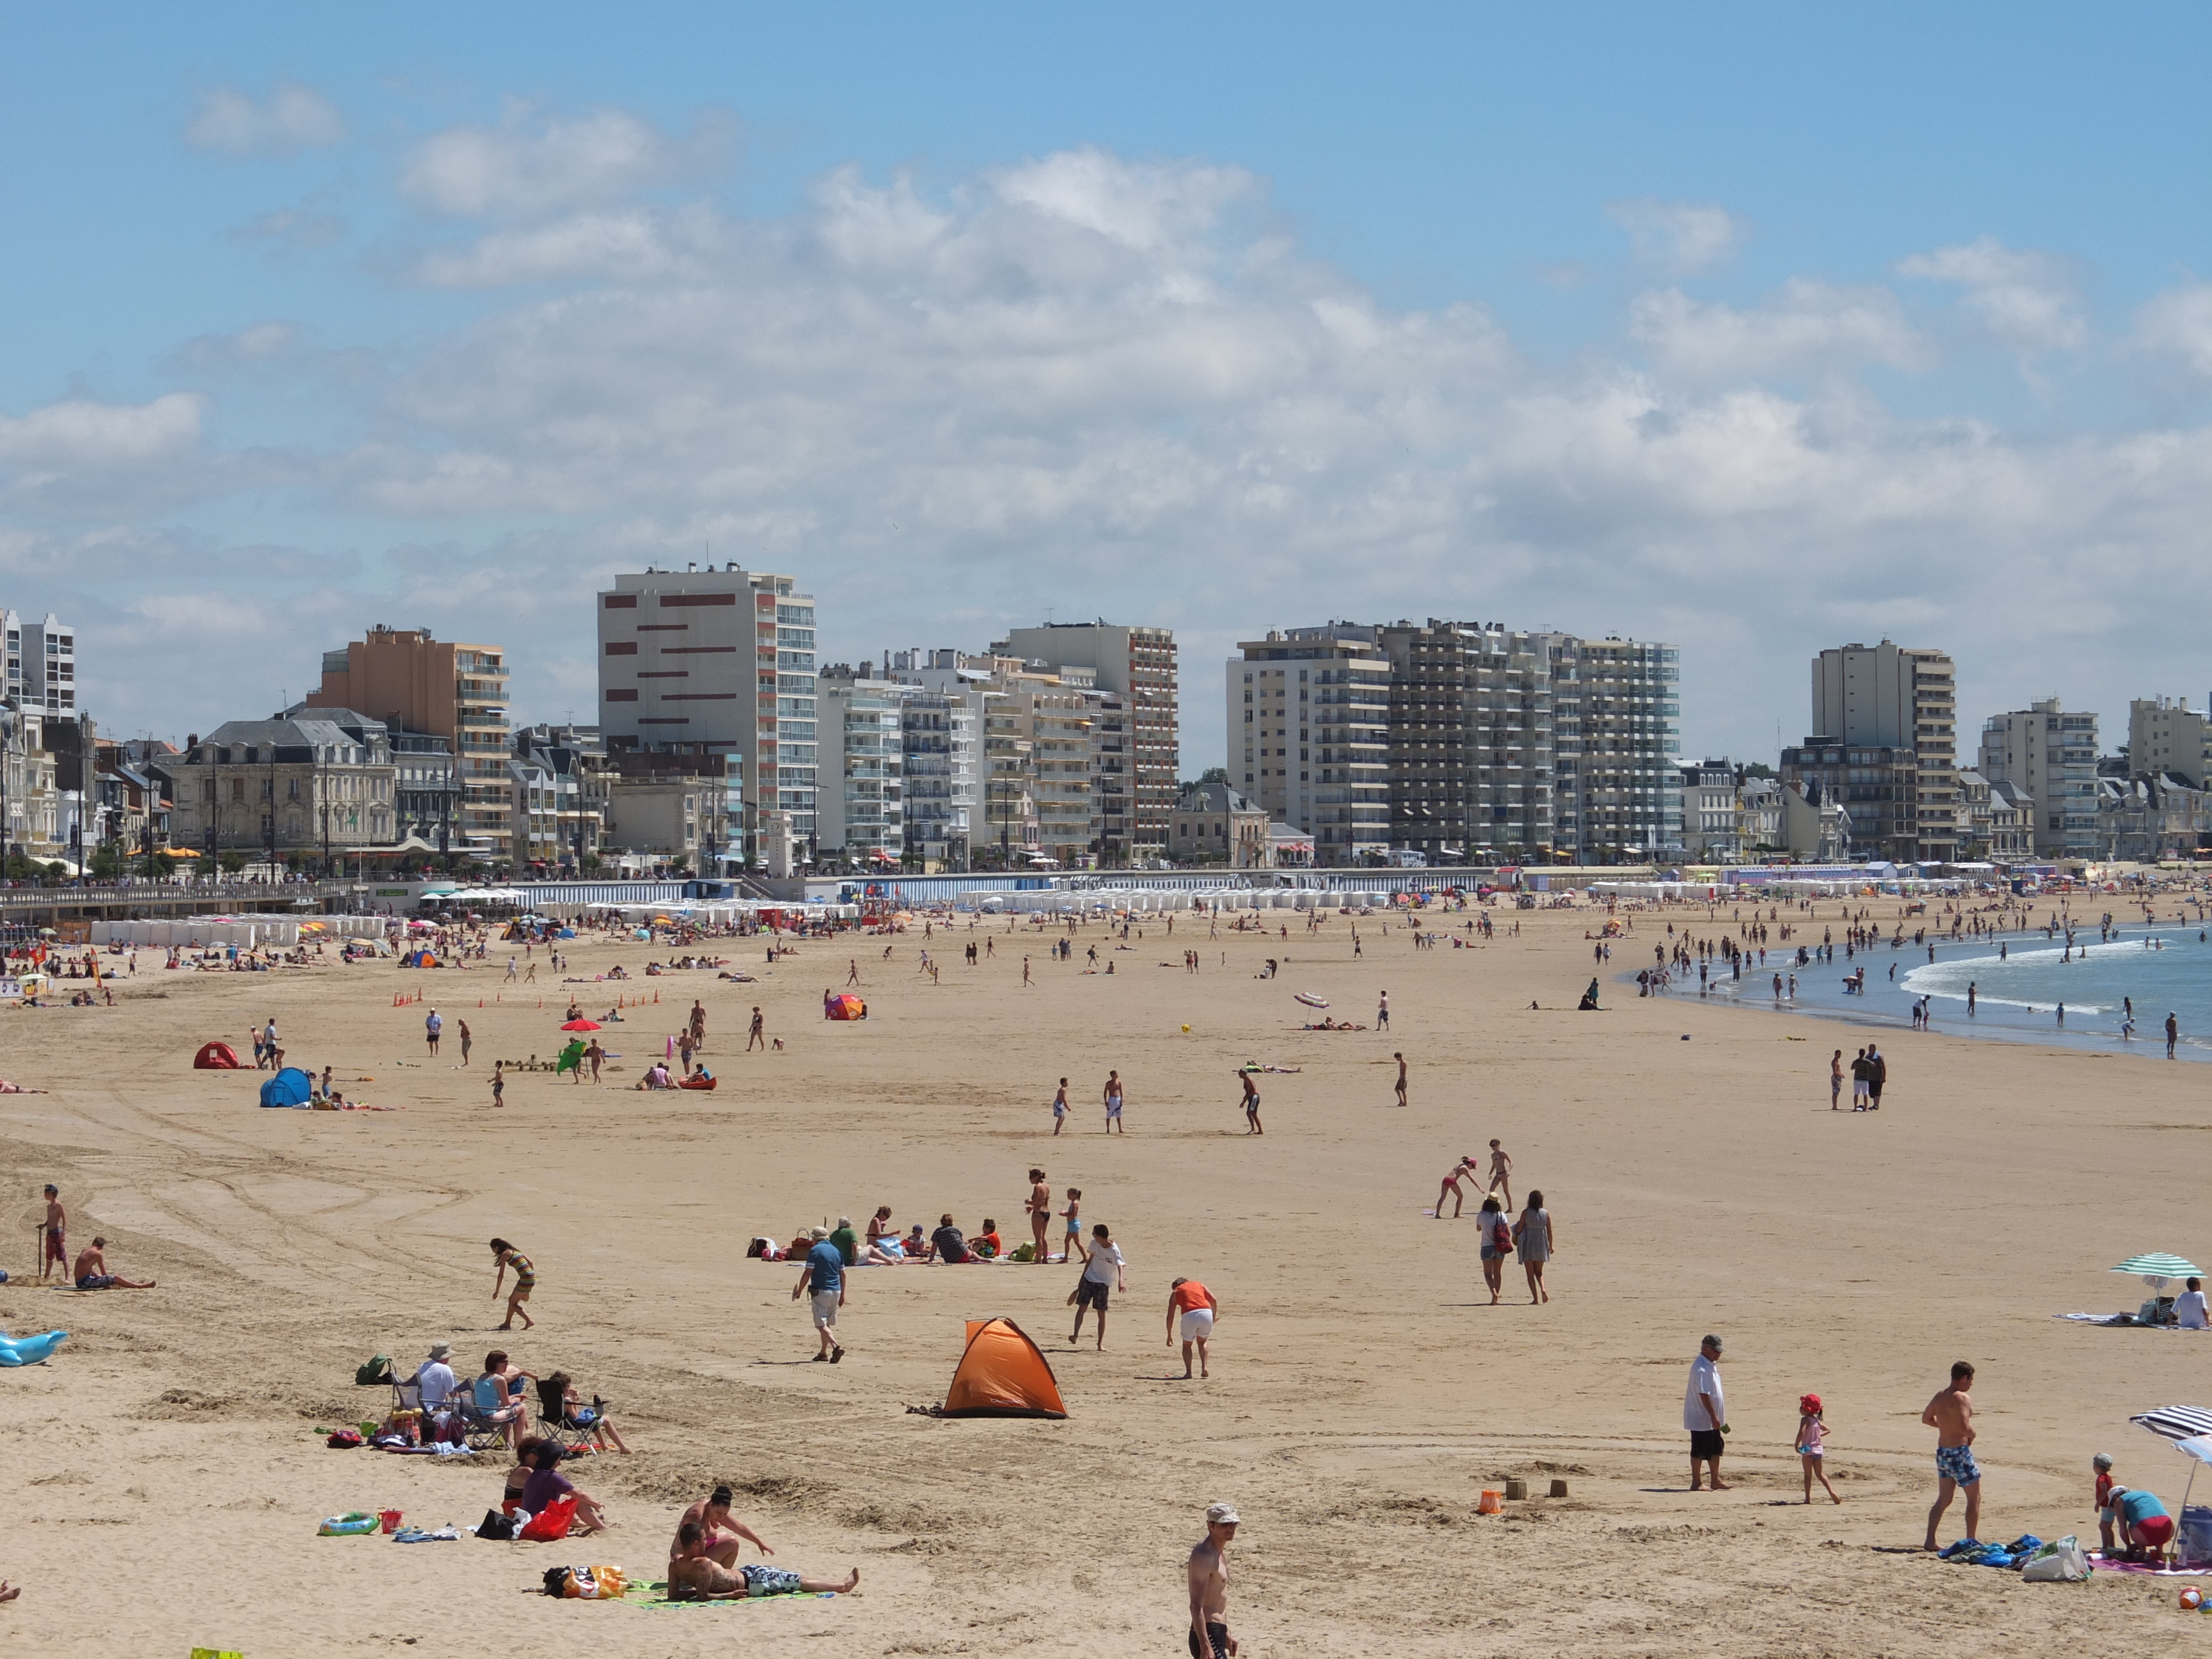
[[2165, 736], [1895, 697], [40, 669], [717, 662], [1616, 720], [2050, 756], [1310, 735], [941, 727], [859, 792]]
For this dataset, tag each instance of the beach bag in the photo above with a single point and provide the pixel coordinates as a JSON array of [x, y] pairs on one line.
[[377, 1369], [584, 1583], [551, 1522], [2062, 1562], [344, 1439], [495, 1526]]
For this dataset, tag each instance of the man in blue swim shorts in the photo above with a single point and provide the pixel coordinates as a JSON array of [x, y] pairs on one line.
[[694, 1575], [1951, 1414]]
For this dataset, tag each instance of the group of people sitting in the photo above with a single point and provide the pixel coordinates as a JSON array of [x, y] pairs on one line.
[[883, 1247], [498, 1398]]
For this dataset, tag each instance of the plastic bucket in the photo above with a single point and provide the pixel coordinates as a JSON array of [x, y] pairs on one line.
[[389, 1518]]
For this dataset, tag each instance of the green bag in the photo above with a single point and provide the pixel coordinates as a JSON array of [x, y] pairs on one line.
[[378, 1369]]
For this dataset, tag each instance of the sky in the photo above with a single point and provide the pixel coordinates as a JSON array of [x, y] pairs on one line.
[[1753, 329]]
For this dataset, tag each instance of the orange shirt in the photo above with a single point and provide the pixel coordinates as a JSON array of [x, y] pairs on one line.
[[1189, 1296]]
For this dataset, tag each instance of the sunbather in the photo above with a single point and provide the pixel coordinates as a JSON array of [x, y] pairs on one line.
[[693, 1575], [91, 1272], [724, 1534]]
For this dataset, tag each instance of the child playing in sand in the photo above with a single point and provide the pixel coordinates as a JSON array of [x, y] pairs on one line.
[[1812, 1444]]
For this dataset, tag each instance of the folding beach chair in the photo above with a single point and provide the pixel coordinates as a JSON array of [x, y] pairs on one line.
[[554, 1422], [485, 1413]]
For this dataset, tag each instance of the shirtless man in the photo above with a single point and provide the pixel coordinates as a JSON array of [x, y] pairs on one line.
[[91, 1271], [722, 1533], [54, 1235], [1209, 1587], [1501, 1173], [694, 1575], [1465, 1166], [1113, 1094], [1951, 1414], [1401, 1059], [1040, 1208]]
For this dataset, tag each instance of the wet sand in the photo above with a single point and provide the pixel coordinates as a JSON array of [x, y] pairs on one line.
[[166, 1475]]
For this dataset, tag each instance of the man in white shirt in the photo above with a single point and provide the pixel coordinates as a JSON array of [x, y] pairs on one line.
[[435, 1377], [2189, 1310], [1704, 1413], [1103, 1268]]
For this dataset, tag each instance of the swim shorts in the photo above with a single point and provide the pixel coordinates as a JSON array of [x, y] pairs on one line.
[[1957, 1463], [1091, 1294], [95, 1281], [1707, 1443], [770, 1581], [1217, 1641], [2157, 1531]]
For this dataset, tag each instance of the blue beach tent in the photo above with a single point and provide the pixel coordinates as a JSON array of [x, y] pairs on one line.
[[289, 1087]]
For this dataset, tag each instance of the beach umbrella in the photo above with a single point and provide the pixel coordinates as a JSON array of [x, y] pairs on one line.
[[580, 1025], [2155, 1268], [2176, 1422]]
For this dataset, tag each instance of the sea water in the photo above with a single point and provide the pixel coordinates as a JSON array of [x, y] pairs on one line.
[[2166, 968]]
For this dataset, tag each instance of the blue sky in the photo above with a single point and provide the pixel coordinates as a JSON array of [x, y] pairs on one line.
[[1756, 328]]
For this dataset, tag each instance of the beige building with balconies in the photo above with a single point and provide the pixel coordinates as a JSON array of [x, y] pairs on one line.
[[1894, 697]]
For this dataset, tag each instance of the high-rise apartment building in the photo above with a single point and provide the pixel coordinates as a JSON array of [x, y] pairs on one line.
[[721, 662], [941, 731], [860, 789], [41, 670], [1309, 734], [2165, 736], [2050, 756], [1137, 665], [1899, 698], [455, 690], [1471, 742], [1617, 716]]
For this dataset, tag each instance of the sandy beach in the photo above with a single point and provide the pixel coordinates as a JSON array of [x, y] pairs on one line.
[[167, 1475]]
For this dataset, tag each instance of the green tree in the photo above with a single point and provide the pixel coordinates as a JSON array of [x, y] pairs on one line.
[[106, 863]]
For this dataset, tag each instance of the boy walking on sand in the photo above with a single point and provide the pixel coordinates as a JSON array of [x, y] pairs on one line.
[[1101, 1272], [1060, 1108], [1071, 1241], [1401, 1059], [54, 1236], [1951, 1414]]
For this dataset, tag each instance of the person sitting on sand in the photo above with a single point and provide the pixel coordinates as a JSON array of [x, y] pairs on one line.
[[723, 1535], [985, 1246], [548, 1486], [525, 1465], [694, 1576], [947, 1243], [92, 1274]]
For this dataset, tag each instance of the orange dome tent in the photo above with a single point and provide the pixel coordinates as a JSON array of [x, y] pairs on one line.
[[1002, 1374], [215, 1057]]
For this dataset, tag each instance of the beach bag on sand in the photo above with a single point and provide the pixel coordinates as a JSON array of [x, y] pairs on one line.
[[497, 1526], [377, 1369], [584, 1583], [344, 1439], [551, 1522], [2062, 1562]]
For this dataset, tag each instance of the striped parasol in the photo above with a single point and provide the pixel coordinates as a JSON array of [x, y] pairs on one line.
[[2175, 1422], [2158, 1266]]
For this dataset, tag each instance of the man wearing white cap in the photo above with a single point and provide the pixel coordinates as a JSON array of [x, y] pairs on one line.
[[1209, 1587]]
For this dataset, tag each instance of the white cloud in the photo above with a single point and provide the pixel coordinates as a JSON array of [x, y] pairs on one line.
[[2176, 327], [292, 117], [1114, 388], [1805, 325], [2022, 297], [1682, 237], [530, 164]]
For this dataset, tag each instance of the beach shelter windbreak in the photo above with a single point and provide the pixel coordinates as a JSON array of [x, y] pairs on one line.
[[289, 1087], [1002, 1374], [845, 1005], [215, 1057]]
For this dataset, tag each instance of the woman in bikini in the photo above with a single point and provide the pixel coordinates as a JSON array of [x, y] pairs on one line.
[[526, 1280]]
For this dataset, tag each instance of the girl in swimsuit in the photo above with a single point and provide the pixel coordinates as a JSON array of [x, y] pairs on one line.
[[526, 1280], [1812, 1445]]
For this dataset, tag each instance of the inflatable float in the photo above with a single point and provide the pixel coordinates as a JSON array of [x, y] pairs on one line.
[[29, 1350]]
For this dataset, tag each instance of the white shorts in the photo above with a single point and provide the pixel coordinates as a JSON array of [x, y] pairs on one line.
[[1114, 1106], [1197, 1322], [825, 1309]]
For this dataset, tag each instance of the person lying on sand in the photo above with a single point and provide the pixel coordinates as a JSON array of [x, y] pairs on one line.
[[722, 1535], [695, 1576], [91, 1271]]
